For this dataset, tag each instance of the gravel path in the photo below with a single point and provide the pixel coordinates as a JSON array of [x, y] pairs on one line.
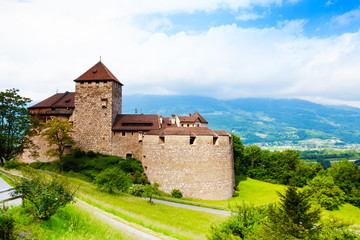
[[132, 229], [209, 210]]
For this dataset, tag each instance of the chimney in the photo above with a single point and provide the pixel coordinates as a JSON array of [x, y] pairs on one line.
[[189, 114]]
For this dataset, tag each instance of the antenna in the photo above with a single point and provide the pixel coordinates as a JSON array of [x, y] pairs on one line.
[[100, 58]]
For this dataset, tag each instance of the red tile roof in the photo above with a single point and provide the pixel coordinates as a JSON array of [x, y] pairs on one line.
[[192, 118], [136, 122], [58, 100], [99, 72]]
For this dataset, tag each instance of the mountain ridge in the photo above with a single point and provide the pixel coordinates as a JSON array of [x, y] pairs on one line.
[[258, 120]]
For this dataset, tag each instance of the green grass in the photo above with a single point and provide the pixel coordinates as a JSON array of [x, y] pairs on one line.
[[6, 179], [171, 221], [250, 191], [347, 212], [71, 222]]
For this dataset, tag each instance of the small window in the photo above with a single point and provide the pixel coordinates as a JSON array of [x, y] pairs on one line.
[[123, 134], [128, 155], [192, 140], [161, 140], [215, 140]]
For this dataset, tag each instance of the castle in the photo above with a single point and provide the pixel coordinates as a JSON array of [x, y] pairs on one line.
[[178, 152]]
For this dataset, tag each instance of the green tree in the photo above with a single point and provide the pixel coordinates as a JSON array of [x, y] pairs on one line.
[[15, 123], [240, 166], [57, 132], [323, 190], [47, 195], [113, 179], [150, 191], [245, 220], [293, 218], [346, 176]]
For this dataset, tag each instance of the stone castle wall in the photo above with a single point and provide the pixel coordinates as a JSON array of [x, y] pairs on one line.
[[96, 106], [201, 170], [124, 143]]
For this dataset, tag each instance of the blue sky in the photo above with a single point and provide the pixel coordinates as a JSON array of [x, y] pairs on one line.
[[218, 48]]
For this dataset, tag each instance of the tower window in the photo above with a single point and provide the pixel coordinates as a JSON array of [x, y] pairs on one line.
[[215, 140], [161, 140], [123, 133], [192, 140]]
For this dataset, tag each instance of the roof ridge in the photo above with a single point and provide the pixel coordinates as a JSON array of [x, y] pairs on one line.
[[63, 95]]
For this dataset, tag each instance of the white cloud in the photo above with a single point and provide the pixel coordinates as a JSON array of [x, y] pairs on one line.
[[246, 16], [44, 46], [347, 18]]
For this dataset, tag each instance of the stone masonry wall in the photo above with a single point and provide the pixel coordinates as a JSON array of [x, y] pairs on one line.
[[128, 144], [96, 105], [200, 170]]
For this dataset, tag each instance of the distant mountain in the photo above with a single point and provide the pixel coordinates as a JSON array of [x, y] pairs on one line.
[[258, 120]]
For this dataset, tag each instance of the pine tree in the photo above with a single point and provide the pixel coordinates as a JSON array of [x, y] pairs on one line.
[[293, 218]]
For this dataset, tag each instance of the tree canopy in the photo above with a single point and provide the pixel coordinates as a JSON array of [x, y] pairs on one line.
[[57, 132], [15, 124]]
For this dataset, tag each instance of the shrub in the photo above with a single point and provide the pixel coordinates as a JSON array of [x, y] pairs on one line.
[[78, 153], [139, 178], [176, 193], [6, 224], [91, 154], [39, 165], [47, 195], [136, 190], [12, 164], [245, 220], [113, 179]]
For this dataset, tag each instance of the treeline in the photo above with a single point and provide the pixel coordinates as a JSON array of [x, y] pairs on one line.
[[287, 168], [328, 154]]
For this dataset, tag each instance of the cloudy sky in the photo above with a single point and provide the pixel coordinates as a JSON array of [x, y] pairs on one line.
[[219, 48]]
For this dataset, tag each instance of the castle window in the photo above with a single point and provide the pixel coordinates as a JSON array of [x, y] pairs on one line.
[[215, 140], [161, 140], [104, 102], [128, 155], [123, 133], [192, 140]]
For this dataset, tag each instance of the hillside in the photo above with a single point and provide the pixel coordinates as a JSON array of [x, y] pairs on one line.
[[258, 120]]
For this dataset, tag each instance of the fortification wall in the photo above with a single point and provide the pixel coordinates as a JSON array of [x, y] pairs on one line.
[[94, 113], [124, 143], [203, 170], [43, 147]]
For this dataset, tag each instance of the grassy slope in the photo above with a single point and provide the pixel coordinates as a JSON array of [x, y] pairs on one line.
[[251, 191], [175, 222], [258, 192]]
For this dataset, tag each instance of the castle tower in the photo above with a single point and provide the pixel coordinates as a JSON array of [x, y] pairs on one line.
[[98, 99]]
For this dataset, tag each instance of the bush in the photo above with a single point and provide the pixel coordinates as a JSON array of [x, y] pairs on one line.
[[47, 195], [113, 179], [6, 224], [136, 190], [245, 220], [91, 154], [78, 153], [176, 193], [12, 164]]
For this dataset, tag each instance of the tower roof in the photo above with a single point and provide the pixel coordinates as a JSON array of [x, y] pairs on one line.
[[99, 72]]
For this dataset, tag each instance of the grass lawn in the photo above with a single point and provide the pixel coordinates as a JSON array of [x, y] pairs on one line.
[[250, 191], [71, 222], [171, 221]]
